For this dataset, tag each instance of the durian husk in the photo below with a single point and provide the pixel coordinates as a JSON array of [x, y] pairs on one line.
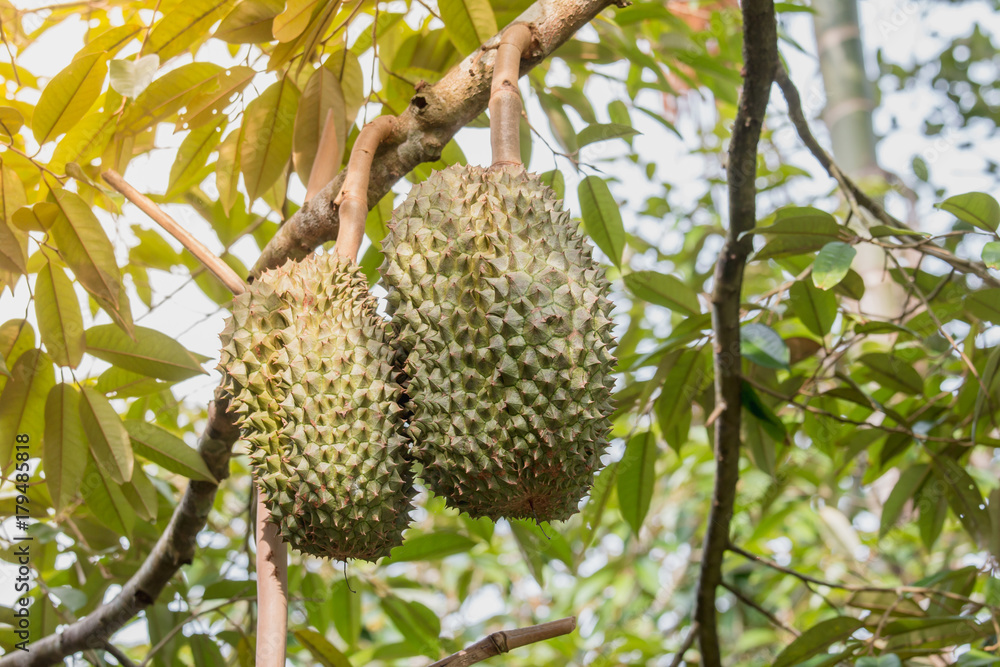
[[309, 365], [503, 320]]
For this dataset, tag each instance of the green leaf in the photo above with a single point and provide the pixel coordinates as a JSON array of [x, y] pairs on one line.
[[293, 21], [762, 345], [984, 303], [346, 608], [168, 94], [131, 77], [418, 624], [11, 121], [817, 639], [250, 22], [468, 23], [85, 248], [602, 132], [879, 231], [321, 94], [266, 136], [192, 156], [684, 382], [141, 493], [22, 404], [68, 97], [110, 41], [322, 650], [183, 25], [227, 170], [106, 501], [892, 372], [431, 546], [151, 353], [816, 309], [601, 217], [976, 208], [991, 255], [64, 450], [906, 489], [637, 478], [798, 230], [832, 264], [965, 499], [664, 290], [166, 450], [210, 102], [59, 318], [107, 436], [205, 651]]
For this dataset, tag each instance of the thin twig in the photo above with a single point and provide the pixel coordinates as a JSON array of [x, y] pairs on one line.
[[211, 261], [118, 655], [750, 602], [507, 640], [686, 646]]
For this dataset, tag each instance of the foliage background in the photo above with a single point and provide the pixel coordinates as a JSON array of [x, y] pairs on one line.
[[869, 455]]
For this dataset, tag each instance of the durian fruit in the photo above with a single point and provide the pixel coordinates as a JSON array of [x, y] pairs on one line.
[[503, 317], [308, 362]]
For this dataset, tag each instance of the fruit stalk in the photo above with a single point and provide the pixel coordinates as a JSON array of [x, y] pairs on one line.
[[353, 198], [505, 97]]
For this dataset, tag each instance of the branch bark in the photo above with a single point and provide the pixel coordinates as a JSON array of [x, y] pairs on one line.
[[759, 56], [507, 640], [176, 547], [435, 114], [433, 117]]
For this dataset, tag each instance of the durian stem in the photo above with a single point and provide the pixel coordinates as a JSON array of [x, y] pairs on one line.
[[272, 590], [353, 198], [211, 261], [323, 168], [505, 97], [507, 640]]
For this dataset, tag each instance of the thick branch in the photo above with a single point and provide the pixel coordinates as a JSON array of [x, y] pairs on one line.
[[507, 640], [433, 117], [175, 548], [272, 590], [798, 119], [759, 56]]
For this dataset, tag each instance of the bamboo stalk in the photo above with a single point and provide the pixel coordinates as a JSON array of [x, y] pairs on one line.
[[505, 97], [353, 198], [211, 261], [507, 640], [326, 164]]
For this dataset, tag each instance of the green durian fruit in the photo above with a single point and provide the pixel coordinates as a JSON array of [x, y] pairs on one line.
[[307, 360], [503, 317]]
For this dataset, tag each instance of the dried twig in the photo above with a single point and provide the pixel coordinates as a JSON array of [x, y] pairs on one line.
[[507, 640]]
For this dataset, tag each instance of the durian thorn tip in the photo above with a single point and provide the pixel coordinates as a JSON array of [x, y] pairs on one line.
[[352, 201], [209, 259]]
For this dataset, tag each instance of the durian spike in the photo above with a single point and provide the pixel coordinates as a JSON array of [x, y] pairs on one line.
[[353, 198], [209, 259], [327, 157], [505, 97]]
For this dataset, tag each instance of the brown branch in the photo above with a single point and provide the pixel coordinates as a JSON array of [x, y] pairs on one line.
[[432, 118], [507, 640], [851, 189], [176, 547], [209, 259], [272, 590], [759, 55]]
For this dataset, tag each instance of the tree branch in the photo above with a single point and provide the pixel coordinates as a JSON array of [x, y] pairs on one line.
[[507, 640], [759, 56], [795, 113], [423, 129], [175, 548]]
